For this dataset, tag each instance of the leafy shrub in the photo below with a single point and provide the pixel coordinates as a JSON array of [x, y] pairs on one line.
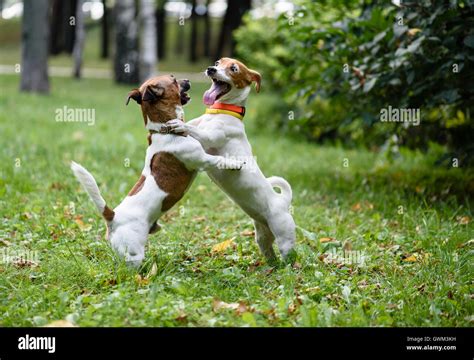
[[337, 64]]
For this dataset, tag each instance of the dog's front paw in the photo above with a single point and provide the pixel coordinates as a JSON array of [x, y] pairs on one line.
[[176, 126]]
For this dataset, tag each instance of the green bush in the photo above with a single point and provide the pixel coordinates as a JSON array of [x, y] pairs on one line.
[[337, 64]]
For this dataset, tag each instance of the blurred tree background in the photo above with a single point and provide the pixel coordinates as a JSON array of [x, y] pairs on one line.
[[336, 64]]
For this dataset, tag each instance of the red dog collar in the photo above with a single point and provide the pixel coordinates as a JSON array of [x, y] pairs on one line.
[[229, 107]]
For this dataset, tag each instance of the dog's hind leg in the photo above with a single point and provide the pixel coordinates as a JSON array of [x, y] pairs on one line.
[[283, 228], [264, 239]]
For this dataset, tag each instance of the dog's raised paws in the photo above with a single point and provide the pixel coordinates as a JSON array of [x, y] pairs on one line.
[[177, 126]]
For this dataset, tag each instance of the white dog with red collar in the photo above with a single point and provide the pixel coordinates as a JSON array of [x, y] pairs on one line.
[[221, 132]]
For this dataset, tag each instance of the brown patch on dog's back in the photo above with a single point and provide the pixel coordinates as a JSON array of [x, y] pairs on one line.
[[171, 176], [138, 186]]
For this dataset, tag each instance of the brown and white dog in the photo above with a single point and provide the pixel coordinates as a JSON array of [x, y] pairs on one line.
[[171, 164], [221, 131]]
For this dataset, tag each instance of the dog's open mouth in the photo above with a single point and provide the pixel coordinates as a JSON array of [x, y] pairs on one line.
[[184, 86], [217, 90]]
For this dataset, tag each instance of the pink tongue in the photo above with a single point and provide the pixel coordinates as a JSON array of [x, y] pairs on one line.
[[211, 94]]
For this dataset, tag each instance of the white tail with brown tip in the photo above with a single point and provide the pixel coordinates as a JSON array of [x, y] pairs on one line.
[[90, 185]]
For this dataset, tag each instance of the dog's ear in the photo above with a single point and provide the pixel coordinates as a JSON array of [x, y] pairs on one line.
[[135, 95], [153, 93], [255, 76]]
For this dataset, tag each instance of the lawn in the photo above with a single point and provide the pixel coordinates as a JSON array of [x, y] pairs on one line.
[[407, 225]]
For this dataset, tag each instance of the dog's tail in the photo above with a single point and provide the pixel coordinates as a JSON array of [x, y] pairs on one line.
[[285, 188], [90, 185]]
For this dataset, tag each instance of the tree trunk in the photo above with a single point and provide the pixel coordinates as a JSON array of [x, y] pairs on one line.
[[55, 43], [232, 20], [80, 38], [126, 43], [207, 32], [69, 30], [193, 39], [161, 29], [34, 59], [148, 44], [104, 51], [62, 26]]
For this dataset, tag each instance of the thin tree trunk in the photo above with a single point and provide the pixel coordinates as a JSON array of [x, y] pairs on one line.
[[104, 51], [80, 38], [55, 42], [232, 20], [70, 7], [193, 39], [161, 29], [148, 45], [207, 32], [62, 34], [35, 33], [126, 42]]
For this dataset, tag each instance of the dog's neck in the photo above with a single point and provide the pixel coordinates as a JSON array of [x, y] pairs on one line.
[[160, 127], [163, 116]]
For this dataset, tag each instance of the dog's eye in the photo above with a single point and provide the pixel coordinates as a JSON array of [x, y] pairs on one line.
[[216, 63], [234, 68]]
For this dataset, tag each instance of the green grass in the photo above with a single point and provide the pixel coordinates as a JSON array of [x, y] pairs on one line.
[[43, 209]]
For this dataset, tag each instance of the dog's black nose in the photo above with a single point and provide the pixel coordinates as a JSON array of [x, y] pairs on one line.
[[211, 70]]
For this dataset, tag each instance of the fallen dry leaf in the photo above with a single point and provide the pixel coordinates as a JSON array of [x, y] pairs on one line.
[[27, 215], [247, 233], [356, 207], [56, 186], [292, 308], [218, 304], [182, 317], [140, 280], [83, 226], [60, 323], [153, 271], [221, 247], [24, 263], [254, 266], [463, 220], [297, 266], [240, 307], [199, 218], [326, 240], [411, 258]]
